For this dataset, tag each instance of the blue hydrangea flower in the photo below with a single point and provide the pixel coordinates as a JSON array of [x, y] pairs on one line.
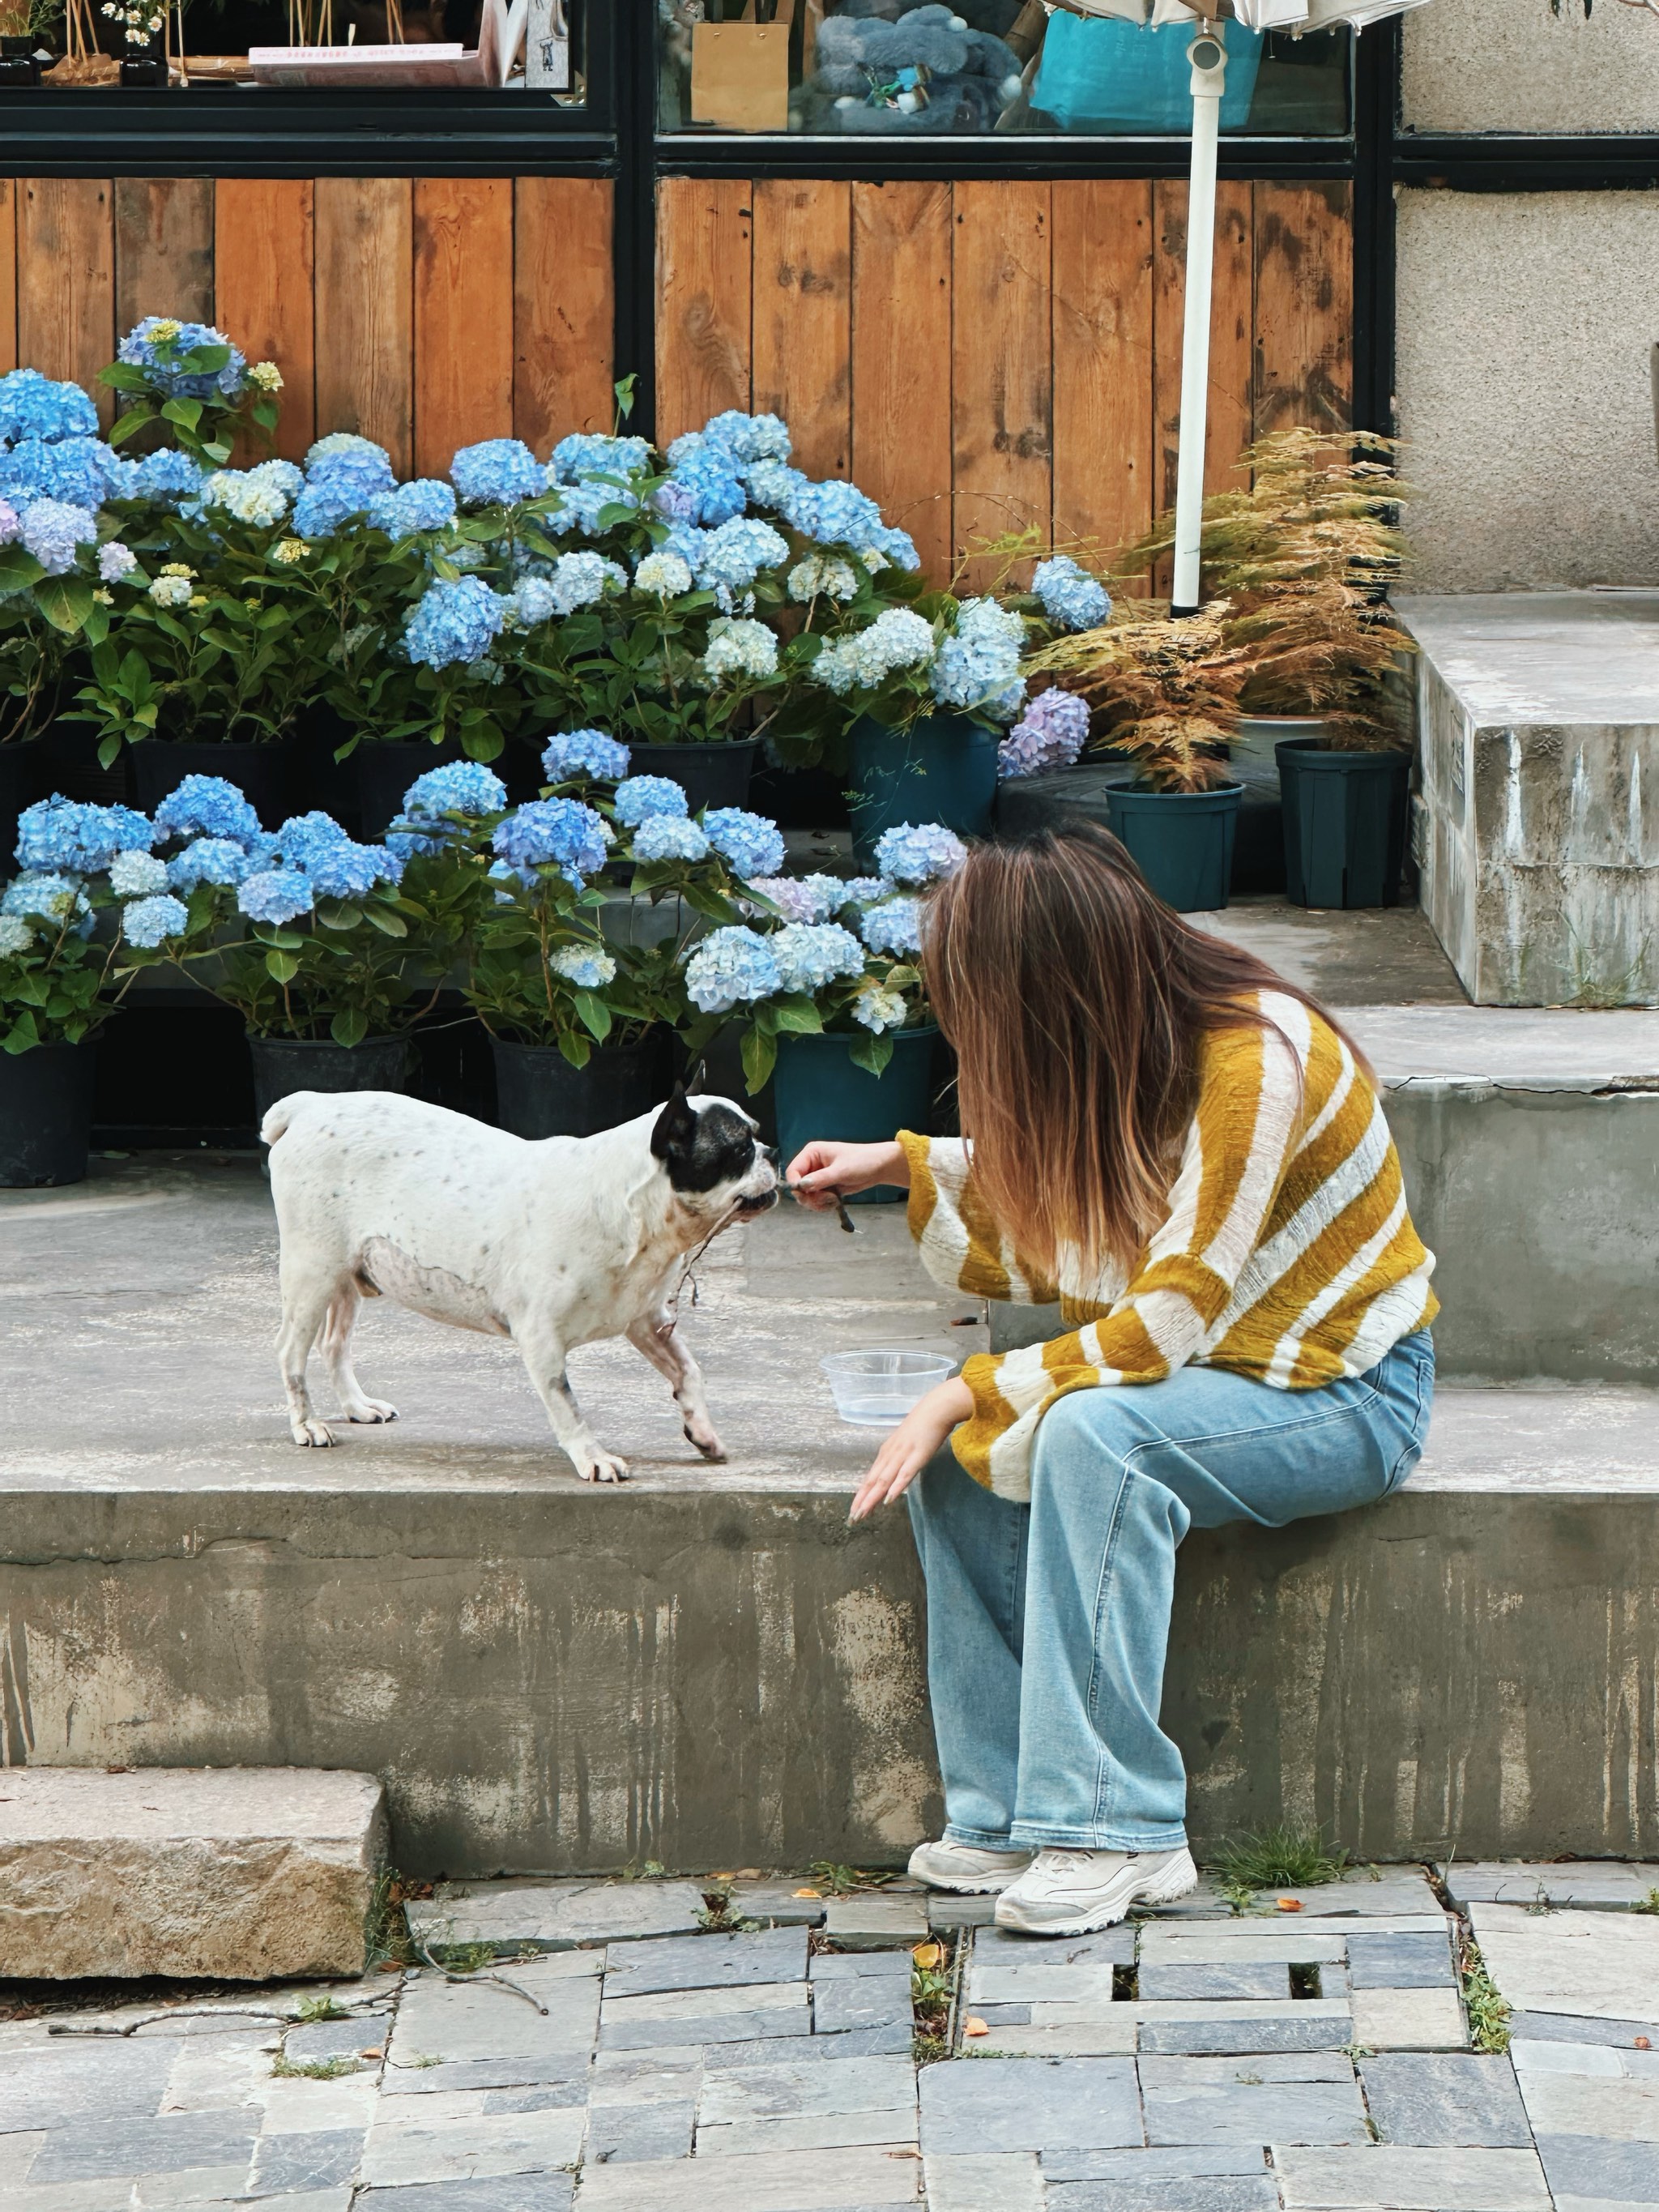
[[48, 896], [749, 843], [980, 661], [453, 623], [898, 547], [582, 580], [561, 832], [575, 753], [167, 476], [835, 513], [730, 967], [669, 837], [867, 891], [1050, 735], [580, 506], [348, 445], [747, 438], [530, 601], [284, 477], [919, 853], [1070, 596], [642, 796], [303, 837], [663, 573], [739, 649], [589, 967], [812, 954], [497, 472], [894, 927], [137, 875], [584, 454], [803, 898], [898, 638], [79, 472], [51, 531], [423, 503], [345, 870], [60, 834], [115, 560], [15, 936], [36, 406], [11, 526], [208, 861], [337, 494], [774, 483], [735, 553], [147, 921], [275, 895], [703, 485], [208, 807], [459, 787], [141, 349]]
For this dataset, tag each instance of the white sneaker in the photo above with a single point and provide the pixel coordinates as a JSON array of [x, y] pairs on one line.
[[1066, 1892], [965, 1869]]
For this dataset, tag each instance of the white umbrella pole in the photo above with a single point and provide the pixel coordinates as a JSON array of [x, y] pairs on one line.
[[1208, 57]]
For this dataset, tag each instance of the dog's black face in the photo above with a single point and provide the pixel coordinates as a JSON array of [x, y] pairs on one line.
[[707, 1146]]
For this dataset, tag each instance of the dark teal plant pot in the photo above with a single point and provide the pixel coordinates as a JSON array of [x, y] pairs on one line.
[[1345, 824], [1181, 841], [818, 1092], [943, 770]]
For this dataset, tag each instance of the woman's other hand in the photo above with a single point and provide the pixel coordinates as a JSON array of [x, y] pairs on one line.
[[924, 1430], [826, 1169]]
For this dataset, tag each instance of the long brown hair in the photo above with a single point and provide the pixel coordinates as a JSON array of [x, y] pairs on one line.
[[1077, 1002]]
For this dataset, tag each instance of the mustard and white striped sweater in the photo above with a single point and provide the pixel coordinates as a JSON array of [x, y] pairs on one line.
[[1287, 1253]]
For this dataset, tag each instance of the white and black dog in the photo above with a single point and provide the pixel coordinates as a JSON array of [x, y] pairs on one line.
[[554, 1244]]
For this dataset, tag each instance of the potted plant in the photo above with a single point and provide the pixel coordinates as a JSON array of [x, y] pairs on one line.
[[192, 379], [86, 894], [330, 949], [1163, 697], [1305, 558]]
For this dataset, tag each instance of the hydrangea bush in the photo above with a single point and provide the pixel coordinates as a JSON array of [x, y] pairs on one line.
[[196, 381]]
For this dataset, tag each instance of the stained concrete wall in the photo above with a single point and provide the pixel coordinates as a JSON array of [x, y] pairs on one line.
[[1524, 322], [553, 1681], [1512, 65]]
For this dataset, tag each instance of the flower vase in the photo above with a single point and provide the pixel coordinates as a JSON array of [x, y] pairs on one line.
[[144, 66], [45, 1112], [942, 768], [819, 1091], [539, 1094]]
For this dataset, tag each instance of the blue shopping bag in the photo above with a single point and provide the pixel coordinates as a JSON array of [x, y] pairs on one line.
[[1100, 75]]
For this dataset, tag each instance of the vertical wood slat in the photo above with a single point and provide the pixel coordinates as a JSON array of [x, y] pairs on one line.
[[1002, 359], [262, 249], [8, 275], [463, 315], [66, 280], [365, 307], [1102, 313], [564, 308], [1227, 427], [802, 317], [163, 249], [1303, 366], [704, 299], [901, 359]]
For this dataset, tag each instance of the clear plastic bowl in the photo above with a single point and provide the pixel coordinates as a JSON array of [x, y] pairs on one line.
[[876, 1389]]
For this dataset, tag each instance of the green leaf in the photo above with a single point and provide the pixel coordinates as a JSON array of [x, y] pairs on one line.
[[871, 1052], [349, 1027], [798, 1014], [389, 924], [283, 967], [593, 1014], [22, 1035], [187, 413], [123, 376], [109, 748], [18, 569], [337, 914], [760, 1054], [65, 601]]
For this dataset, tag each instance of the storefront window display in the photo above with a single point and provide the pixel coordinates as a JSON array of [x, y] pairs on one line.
[[895, 69]]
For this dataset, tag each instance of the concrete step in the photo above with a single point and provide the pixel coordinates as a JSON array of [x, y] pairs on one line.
[[707, 1667]]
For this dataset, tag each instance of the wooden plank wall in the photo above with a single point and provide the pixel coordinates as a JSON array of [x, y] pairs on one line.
[[424, 312], [989, 354]]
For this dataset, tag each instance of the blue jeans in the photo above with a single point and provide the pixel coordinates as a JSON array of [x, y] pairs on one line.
[[1047, 1624]]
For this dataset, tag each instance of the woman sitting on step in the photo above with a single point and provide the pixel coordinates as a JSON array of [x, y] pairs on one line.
[[1187, 1150]]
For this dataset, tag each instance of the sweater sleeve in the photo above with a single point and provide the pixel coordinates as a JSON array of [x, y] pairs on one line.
[[1248, 1116], [961, 1246]]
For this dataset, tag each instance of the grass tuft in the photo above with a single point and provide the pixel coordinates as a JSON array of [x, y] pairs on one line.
[[311, 2069], [1278, 1857], [1489, 2012], [1650, 1903]]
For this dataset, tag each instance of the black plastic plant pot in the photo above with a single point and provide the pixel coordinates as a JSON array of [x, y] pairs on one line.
[[385, 772], [1181, 841], [944, 768], [1345, 824], [539, 1094], [714, 775], [262, 774], [45, 1110], [281, 1064], [25, 775]]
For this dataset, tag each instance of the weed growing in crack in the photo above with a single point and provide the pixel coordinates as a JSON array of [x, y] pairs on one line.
[[1488, 2011], [312, 2009], [285, 2068]]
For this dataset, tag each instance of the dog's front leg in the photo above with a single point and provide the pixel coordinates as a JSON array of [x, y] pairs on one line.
[[544, 1357], [659, 1338]]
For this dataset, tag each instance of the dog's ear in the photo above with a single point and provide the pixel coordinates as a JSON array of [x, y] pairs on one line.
[[676, 1125]]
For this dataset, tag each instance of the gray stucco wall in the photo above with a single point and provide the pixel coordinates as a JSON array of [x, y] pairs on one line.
[[1524, 323], [1511, 66]]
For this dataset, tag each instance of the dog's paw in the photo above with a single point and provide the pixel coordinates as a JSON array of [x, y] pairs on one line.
[[371, 1410], [705, 1442], [311, 1432], [604, 1466]]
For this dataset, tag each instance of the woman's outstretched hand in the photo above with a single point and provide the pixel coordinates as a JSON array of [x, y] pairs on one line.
[[907, 1449], [827, 1169]]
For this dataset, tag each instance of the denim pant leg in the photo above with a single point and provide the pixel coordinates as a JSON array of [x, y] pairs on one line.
[[1118, 1477], [972, 1548]]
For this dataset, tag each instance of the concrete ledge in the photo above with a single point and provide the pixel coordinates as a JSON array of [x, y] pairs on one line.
[[250, 1876]]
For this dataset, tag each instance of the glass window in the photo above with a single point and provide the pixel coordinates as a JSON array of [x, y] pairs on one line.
[[310, 46], [903, 69]]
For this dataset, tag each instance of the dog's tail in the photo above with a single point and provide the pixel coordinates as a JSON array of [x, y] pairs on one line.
[[279, 1117]]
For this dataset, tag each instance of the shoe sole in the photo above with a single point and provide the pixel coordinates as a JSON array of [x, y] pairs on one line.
[[1168, 1892], [976, 1887]]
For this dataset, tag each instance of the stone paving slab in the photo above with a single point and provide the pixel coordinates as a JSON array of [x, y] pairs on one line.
[[1584, 1885], [1003, 2104], [1600, 1964], [1246, 2109], [1454, 2100], [555, 1916], [776, 1904], [1109, 2034], [1397, 2179], [1409, 2020], [1109, 1947], [1367, 1893], [984, 2181], [860, 1965], [1246, 1979], [1620, 2110], [1293, 1944], [1571, 2027], [876, 1923], [1587, 2169], [707, 1962], [855, 2180]]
